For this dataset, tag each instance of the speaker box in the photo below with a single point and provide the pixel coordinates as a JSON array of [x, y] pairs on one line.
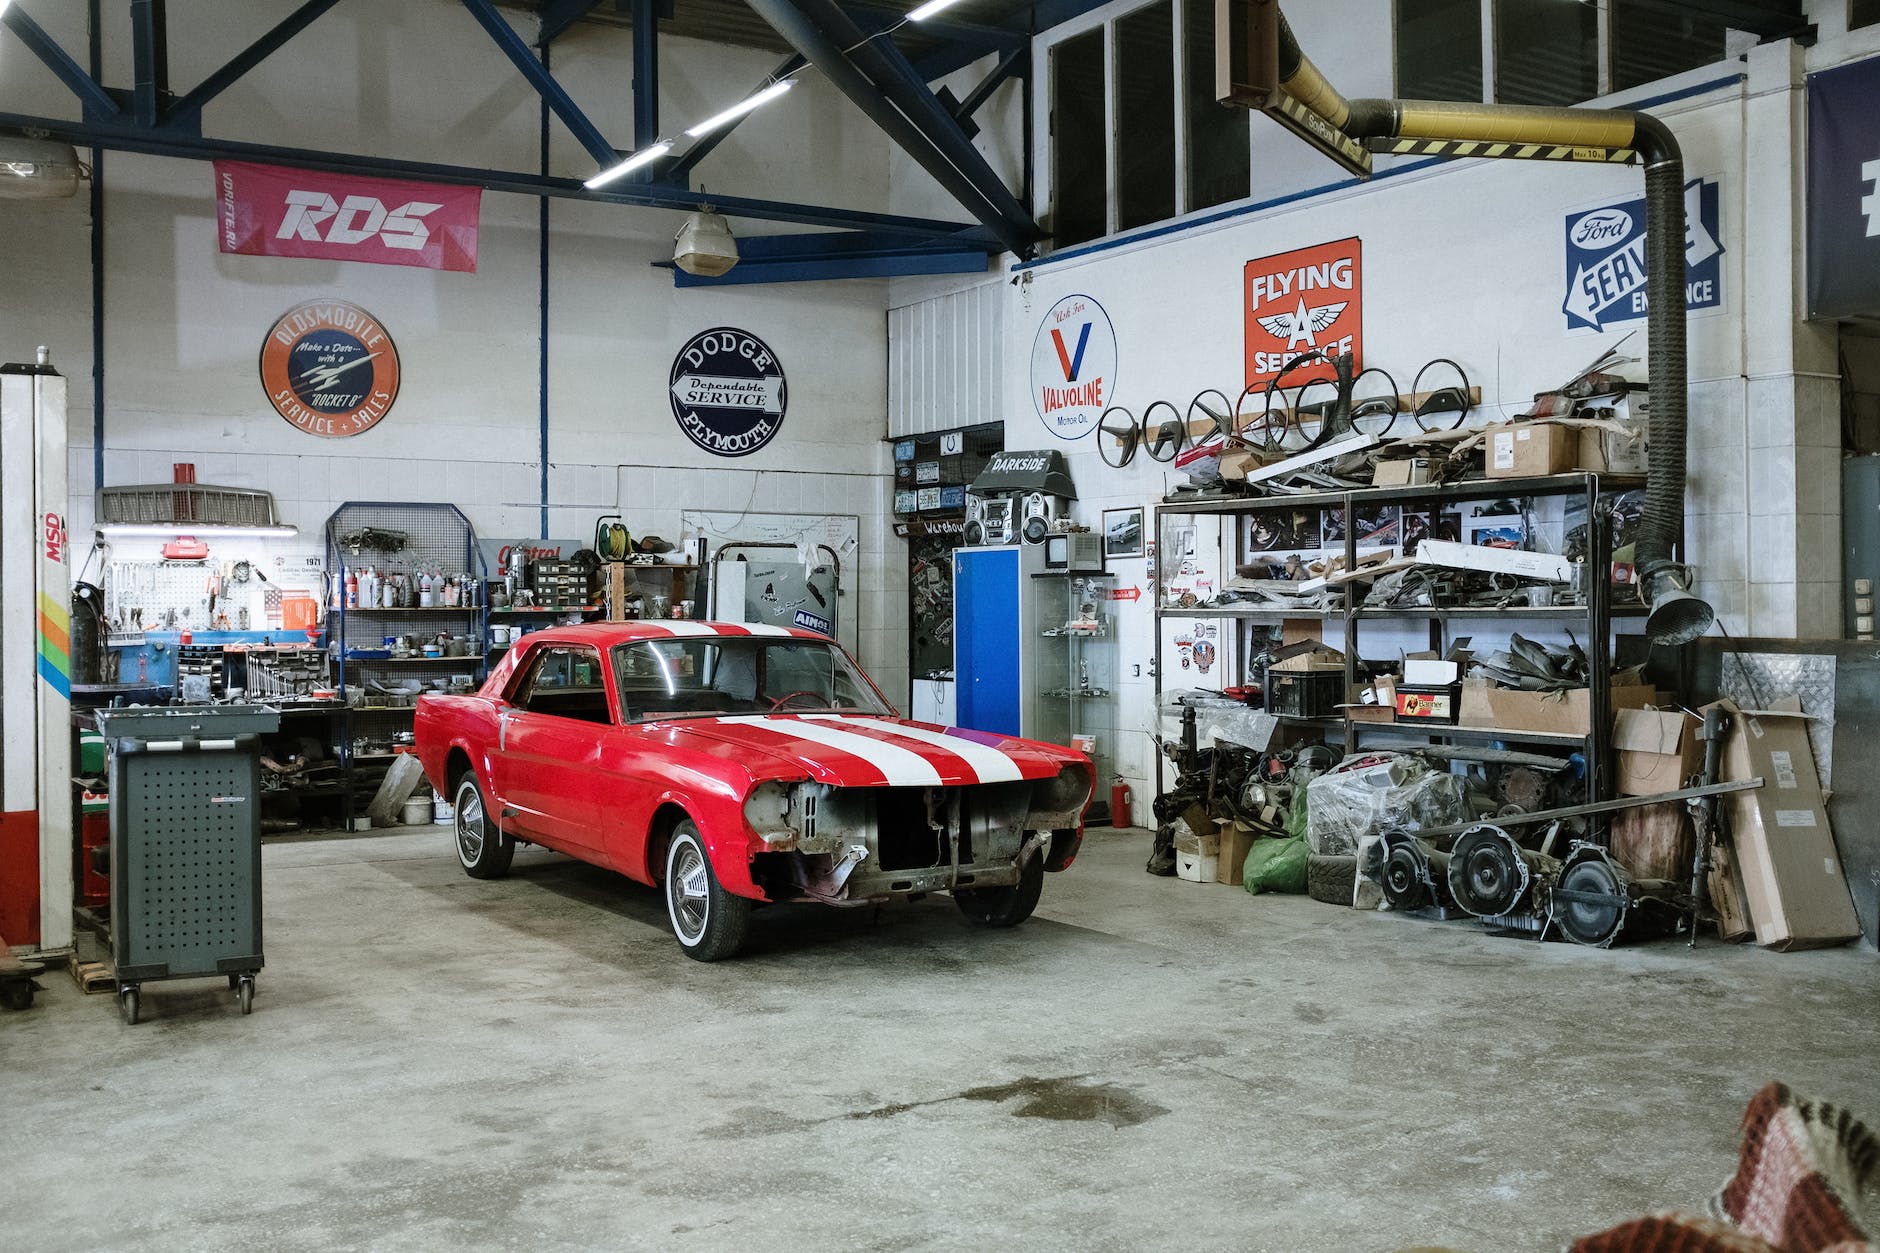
[[1039, 511], [988, 520]]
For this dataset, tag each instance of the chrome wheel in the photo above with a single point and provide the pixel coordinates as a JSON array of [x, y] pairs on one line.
[[481, 846], [688, 892], [708, 921], [469, 822]]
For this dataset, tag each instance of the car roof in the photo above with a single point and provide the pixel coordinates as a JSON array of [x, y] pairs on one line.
[[608, 634]]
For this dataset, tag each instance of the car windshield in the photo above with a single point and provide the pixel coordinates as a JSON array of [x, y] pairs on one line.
[[707, 676]]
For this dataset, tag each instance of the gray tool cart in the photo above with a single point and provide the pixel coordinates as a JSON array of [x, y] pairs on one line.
[[185, 845]]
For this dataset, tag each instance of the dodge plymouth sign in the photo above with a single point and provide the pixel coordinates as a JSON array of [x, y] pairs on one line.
[[728, 391]]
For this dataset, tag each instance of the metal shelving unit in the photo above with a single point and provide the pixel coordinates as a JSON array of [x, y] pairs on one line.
[[436, 536], [1597, 613]]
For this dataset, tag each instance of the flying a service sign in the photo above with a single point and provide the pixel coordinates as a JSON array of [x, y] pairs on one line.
[[1298, 301], [1606, 271]]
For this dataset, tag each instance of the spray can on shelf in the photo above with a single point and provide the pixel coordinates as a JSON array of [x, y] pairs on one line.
[[1120, 797], [352, 589]]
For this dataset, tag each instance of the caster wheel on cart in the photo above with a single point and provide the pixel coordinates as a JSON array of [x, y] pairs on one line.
[[245, 994], [127, 1005]]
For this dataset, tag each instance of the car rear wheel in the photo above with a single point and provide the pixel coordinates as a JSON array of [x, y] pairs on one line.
[[482, 848], [708, 921], [1004, 907]]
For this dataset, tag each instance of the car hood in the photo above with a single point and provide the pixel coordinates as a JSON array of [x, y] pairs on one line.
[[852, 750]]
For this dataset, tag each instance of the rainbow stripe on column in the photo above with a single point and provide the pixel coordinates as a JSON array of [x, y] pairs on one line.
[[55, 646]]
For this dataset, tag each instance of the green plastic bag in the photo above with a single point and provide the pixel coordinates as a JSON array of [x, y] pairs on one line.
[[1277, 865], [1296, 814]]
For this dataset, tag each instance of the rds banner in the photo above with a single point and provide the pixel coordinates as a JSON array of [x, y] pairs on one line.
[[1300, 300], [1073, 367]]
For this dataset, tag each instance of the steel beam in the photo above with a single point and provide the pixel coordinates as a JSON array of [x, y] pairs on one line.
[[516, 48], [556, 16], [150, 52], [894, 77], [847, 254], [95, 100], [679, 170], [1016, 234], [125, 137], [1014, 62], [980, 35], [645, 73], [187, 111]]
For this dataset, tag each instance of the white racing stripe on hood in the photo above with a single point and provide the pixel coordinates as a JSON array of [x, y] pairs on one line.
[[899, 766], [990, 764], [679, 626], [765, 628]]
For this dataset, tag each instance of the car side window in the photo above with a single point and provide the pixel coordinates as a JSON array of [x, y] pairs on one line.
[[564, 681]]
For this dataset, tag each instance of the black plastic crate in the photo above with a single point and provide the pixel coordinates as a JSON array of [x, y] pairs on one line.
[[1304, 693]]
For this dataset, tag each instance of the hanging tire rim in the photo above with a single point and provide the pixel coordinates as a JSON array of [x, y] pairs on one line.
[[688, 891], [470, 832]]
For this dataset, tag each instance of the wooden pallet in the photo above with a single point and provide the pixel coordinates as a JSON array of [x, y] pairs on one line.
[[94, 976]]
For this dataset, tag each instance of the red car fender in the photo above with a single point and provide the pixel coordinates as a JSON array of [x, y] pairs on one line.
[[729, 840]]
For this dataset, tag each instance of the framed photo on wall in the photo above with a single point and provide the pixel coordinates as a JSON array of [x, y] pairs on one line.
[[1122, 533]]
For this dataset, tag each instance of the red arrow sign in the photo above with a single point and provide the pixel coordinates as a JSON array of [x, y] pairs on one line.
[[1126, 593]]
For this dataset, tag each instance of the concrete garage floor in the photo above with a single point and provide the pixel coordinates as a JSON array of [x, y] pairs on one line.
[[435, 1062]]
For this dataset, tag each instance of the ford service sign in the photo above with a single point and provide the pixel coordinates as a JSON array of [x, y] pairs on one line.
[[1606, 260]]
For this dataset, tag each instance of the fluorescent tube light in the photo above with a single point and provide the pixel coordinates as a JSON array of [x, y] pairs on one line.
[[652, 152], [741, 108], [192, 529], [927, 10]]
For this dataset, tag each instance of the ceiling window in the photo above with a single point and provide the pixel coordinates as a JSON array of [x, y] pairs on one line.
[[1144, 86], [1649, 44], [1136, 135], [1079, 183], [1546, 52], [1217, 135], [1439, 49]]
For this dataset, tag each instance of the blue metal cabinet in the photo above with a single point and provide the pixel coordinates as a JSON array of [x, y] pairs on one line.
[[991, 653]]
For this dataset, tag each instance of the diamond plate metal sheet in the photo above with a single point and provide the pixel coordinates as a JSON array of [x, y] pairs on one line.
[[1755, 680]]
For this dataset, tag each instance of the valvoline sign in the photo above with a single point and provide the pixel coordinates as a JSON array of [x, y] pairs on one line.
[[1606, 260], [1073, 366]]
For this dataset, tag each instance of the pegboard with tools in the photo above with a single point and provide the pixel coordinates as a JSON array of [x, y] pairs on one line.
[[211, 594]]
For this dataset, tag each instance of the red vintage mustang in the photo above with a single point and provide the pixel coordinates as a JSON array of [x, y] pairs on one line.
[[734, 765]]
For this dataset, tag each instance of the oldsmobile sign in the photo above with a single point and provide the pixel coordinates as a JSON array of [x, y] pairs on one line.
[[1606, 260], [728, 392]]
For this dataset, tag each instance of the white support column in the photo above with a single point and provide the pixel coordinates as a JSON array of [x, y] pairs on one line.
[[1793, 395]]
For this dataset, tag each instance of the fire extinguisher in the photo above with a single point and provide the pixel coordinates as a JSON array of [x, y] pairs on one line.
[[1119, 803]]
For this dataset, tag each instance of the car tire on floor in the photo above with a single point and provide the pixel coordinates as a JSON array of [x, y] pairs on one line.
[[709, 922], [1331, 879], [1004, 907], [482, 848]]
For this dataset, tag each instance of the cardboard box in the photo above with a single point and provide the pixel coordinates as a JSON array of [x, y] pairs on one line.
[[1654, 841], [1658, 749], [1382, 705], [1236, 843], [1420, 702], [1610, 452], [1725, 888], [1551, 713], [1531, 450], [1427, 670], [1792, 880], [1403, 471]]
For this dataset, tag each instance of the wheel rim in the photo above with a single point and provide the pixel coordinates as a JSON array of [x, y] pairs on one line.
[[469, 824], [687, 892]]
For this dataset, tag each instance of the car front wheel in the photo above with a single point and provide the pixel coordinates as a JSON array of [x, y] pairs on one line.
[[482, 848], [708, 921], [1004, 907]]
